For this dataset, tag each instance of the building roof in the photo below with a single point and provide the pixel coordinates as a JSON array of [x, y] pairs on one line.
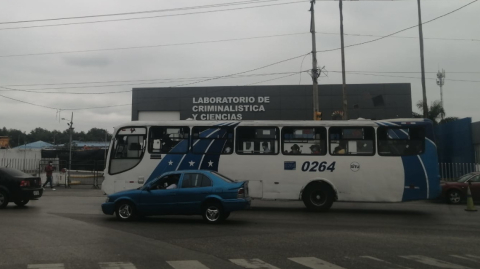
[[89, 144], [36, 145]]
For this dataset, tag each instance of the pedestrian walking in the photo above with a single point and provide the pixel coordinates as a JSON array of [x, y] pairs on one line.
[[49, 170]]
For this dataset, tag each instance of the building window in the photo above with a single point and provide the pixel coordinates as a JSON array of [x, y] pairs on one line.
[[304, 140], [257, 140], [352, 140], [212, 140], [128, 149], [171, 140], [395, 141], [195, 180]]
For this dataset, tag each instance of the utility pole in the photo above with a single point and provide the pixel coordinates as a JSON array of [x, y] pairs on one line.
[[315, 72], [70, 124], [441, 82], [344, 94], [424, 90]]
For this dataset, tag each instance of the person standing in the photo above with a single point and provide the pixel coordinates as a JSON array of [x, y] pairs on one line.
[[49, 170]]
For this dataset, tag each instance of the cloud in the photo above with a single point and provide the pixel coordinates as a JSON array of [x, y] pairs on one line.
[[87, 61]]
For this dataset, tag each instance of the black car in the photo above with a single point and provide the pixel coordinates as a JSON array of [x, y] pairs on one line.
[[18, 187]]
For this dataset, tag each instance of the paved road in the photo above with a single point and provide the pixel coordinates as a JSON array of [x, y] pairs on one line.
[[66, 229]]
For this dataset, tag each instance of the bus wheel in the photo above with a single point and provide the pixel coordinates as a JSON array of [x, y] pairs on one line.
[[318, 197], [125, 211]]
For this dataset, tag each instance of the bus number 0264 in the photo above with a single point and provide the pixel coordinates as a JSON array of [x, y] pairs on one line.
[[316, 166]]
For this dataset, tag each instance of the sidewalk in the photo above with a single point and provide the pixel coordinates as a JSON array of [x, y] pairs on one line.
[[77, 191]]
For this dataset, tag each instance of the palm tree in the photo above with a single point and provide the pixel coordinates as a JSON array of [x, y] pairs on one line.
[[435, 112]]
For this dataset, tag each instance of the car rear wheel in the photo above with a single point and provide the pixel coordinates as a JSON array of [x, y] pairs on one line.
[[318, 197], [21, 202], [125, 211], [213, 213], [3, 199], [454, 197]]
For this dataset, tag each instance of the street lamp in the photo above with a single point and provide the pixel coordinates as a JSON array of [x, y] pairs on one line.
[[70, 124]]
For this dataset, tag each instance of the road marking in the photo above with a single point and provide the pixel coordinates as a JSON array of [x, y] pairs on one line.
[[253, 264], [116, 265], [46, 266], [187, 265], [382, 261], [433, 262], [464, 258], [473, 256], [314, 263]]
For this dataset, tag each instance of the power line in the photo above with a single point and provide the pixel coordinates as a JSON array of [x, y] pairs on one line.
[[151, 17], [408, 37], [376, 75], [239, 73], [114, 85], [289, 75], [403, 30], [148, 46], [143, 12]]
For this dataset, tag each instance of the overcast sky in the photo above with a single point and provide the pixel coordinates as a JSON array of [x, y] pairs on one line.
[[221, 58]]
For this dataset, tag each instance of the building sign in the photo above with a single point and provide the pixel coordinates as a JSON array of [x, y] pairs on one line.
[[226, 108]]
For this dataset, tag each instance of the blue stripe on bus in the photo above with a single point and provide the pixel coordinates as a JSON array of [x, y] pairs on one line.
[[420, 170], [191, 160], [170, 162]]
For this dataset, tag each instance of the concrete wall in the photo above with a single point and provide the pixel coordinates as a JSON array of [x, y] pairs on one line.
[[286, 102]]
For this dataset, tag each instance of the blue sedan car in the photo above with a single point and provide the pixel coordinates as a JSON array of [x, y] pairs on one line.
[[188, 192]]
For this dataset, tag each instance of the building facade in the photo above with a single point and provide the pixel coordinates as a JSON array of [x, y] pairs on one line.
[[283, 102]]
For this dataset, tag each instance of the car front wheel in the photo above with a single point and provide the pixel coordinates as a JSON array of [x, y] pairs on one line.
[[3, 199], [125, 211], [213, 213], [454, 197], [21, 202]]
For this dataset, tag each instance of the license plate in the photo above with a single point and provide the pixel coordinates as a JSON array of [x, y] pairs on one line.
[[36, 193]]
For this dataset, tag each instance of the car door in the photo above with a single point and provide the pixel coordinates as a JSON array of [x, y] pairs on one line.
[[157, 199], [193, 191], [475, 187]]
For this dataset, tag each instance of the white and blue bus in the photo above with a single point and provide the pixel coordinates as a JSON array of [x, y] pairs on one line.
[[318, 162]]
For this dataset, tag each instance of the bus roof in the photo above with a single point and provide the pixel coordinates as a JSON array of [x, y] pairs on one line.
[[357, 122]]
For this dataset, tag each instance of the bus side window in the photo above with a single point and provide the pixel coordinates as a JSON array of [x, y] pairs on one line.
[[168, 139], [257, 140], [400, 141], [352, 141], [212, 140], [304, 140]]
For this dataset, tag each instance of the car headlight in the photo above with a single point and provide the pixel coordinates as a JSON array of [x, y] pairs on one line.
[[108, 200]]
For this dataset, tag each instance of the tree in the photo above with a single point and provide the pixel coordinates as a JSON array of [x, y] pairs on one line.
[[435, 112]]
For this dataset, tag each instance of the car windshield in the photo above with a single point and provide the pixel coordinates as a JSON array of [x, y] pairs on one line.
[[224, 177], [465, 178]]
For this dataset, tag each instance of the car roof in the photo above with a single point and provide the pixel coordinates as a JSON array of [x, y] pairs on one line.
[[187, 171]]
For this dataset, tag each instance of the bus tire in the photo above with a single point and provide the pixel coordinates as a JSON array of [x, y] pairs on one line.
[[318, 197], [125, 211], [213, 213]]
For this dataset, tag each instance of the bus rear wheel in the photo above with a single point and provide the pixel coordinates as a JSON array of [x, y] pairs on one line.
[[318, 197]]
